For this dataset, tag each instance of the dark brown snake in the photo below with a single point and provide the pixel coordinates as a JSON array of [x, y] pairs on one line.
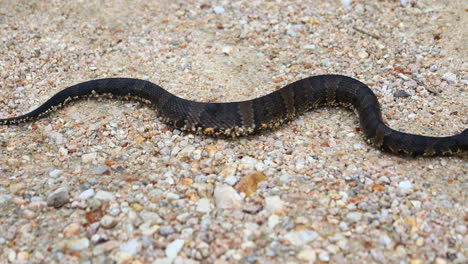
[[266, 112]]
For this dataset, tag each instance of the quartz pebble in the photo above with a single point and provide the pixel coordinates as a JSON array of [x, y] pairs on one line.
[[173, 249]]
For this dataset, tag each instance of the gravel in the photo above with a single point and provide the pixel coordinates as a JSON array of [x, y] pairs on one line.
[[103, 181]]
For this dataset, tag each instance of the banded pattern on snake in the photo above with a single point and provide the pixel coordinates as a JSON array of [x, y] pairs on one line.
[[266, 112]]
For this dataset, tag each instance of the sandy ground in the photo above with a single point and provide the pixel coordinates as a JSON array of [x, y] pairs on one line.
[[103, 181]]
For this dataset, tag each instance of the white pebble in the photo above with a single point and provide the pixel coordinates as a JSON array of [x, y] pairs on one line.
[[346, 2], [173, 249], [75, 245], [227, 197], [226, 50], [86, 194], [86, 158], [104, 196], [354, 216], [55, 173], [203, 205], [405, 185], [307, 254], [302, 237], [218, 9], [309, 47], [324, 256], [131, 247], [274, 204], [450, 77]]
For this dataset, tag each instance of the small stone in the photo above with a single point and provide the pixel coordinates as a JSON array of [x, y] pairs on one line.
[[273, 220], [55, 173], [307, 254], [89, 157], [301, 237], [249, 183], [203, 205], [404, 187], [71, 230], [104, 196], [4, 200], [29, 214], [58, 198], [76, 245], [275, 205], [357, 146], [433, 68], [86, 194], [226, 197], [450, 77], [401, 94], [385, 241], [37, 206], [23, 256], [218, 9], [101, 169], [354, 216], [173, 249], [308, 47], [16, 187], [363, 54], [253, 209], [226, 50], [324, 256], [131, 247], [108, 222], [346, 2], [166, 230]]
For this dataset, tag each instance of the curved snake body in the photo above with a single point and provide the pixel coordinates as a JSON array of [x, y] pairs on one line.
[[266, 112]]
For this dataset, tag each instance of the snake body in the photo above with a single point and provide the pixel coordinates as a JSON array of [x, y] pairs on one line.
[[266, 112]]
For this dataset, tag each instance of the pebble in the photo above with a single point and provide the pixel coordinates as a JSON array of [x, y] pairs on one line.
[[274, 204], [307, 254], [363, 54], [108, 222], [166, 230], [58, 198], [4, 200], [75, 245], [324, 256], [55, 173], [308, 47], [218, 10], [131, 247], [404, 187], [204, 205], [273, 220], [301, 237], [346, 2], [104, 196], [86, 194], [354, 216], [401, 94], [89, 157], [100, 169], [385, 241], [451, 78], [227, 197], [71, 230], [173, 249]]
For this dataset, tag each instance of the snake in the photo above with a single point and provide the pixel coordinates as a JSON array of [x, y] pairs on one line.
[[267, 112]]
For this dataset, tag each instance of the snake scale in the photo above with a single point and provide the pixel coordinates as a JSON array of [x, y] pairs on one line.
[[266, 112]]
